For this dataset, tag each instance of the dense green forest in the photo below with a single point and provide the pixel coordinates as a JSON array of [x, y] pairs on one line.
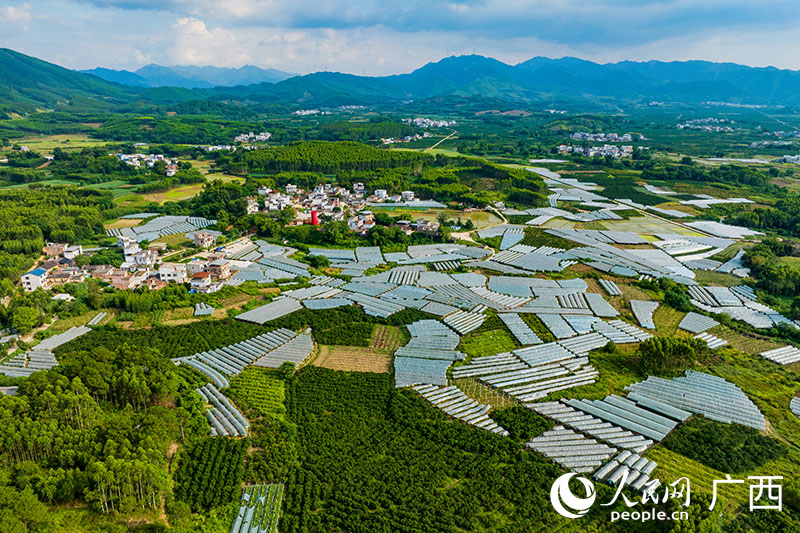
[[172, 341], [729, 448], [175, 130], [33, 216], [318, 156], [98, 429]]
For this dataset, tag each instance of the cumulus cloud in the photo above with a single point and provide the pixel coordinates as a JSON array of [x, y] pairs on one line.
[[195, 44]]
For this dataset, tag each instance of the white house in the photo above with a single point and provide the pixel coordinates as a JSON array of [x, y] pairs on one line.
[[71, 252], [252, 205], [408, 196], [175, 272], [35, 279], [196, 265]]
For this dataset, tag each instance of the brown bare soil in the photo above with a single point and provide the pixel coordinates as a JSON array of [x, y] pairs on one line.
[[353, 359], [124, 223]]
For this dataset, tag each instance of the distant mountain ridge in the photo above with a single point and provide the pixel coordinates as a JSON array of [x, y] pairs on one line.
[[27, 84], [190, 77], [540, 79]]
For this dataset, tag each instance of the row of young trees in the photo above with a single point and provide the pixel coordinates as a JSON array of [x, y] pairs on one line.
[[210, 472], [378, 459]]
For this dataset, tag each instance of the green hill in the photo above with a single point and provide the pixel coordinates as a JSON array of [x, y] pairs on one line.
[[28, 84]]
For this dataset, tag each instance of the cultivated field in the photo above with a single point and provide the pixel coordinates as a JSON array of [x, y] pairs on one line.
[[488, 343], [122, 223], [71, 141], [354, 359], [388, 338], [667, 319], [752, 344], [175, 195], [481, 219]]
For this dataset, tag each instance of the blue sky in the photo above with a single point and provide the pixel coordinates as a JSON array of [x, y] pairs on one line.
[[385, 37]]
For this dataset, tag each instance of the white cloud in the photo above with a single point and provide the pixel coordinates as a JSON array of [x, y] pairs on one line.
[[376, 50], [19, 16], [195, 44]]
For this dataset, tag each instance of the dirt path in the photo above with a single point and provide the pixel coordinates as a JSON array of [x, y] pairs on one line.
[[467, 235], [440, 142], [29, 337]]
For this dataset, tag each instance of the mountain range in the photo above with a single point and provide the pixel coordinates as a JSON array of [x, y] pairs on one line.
[[190, 77], [25, 80]]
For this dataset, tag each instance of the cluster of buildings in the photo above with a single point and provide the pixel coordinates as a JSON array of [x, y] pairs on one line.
[[365, 220], [613, 150], [306, 112], [770, 144], [782, 134], [407, 138], [601, 137], [794, 159], [149, 161], [711, 125], [218, 148], [327, 199], [422, 122], [141, 267], [253, 137]]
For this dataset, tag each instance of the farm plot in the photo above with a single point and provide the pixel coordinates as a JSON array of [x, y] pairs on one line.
[[387, 338], [259, 392], [751, 344], [488, 343], [667, 319], [353, 359]]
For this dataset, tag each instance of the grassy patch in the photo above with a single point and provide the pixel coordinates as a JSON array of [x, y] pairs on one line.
[[174, 240], [488, 343], [705, 277], [538, 327], [617, 370], [71, 141], [666, 319], [482, 393], [177, 194]]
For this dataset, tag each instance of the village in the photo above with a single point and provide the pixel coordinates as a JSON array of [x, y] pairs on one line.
[[148, 264]]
